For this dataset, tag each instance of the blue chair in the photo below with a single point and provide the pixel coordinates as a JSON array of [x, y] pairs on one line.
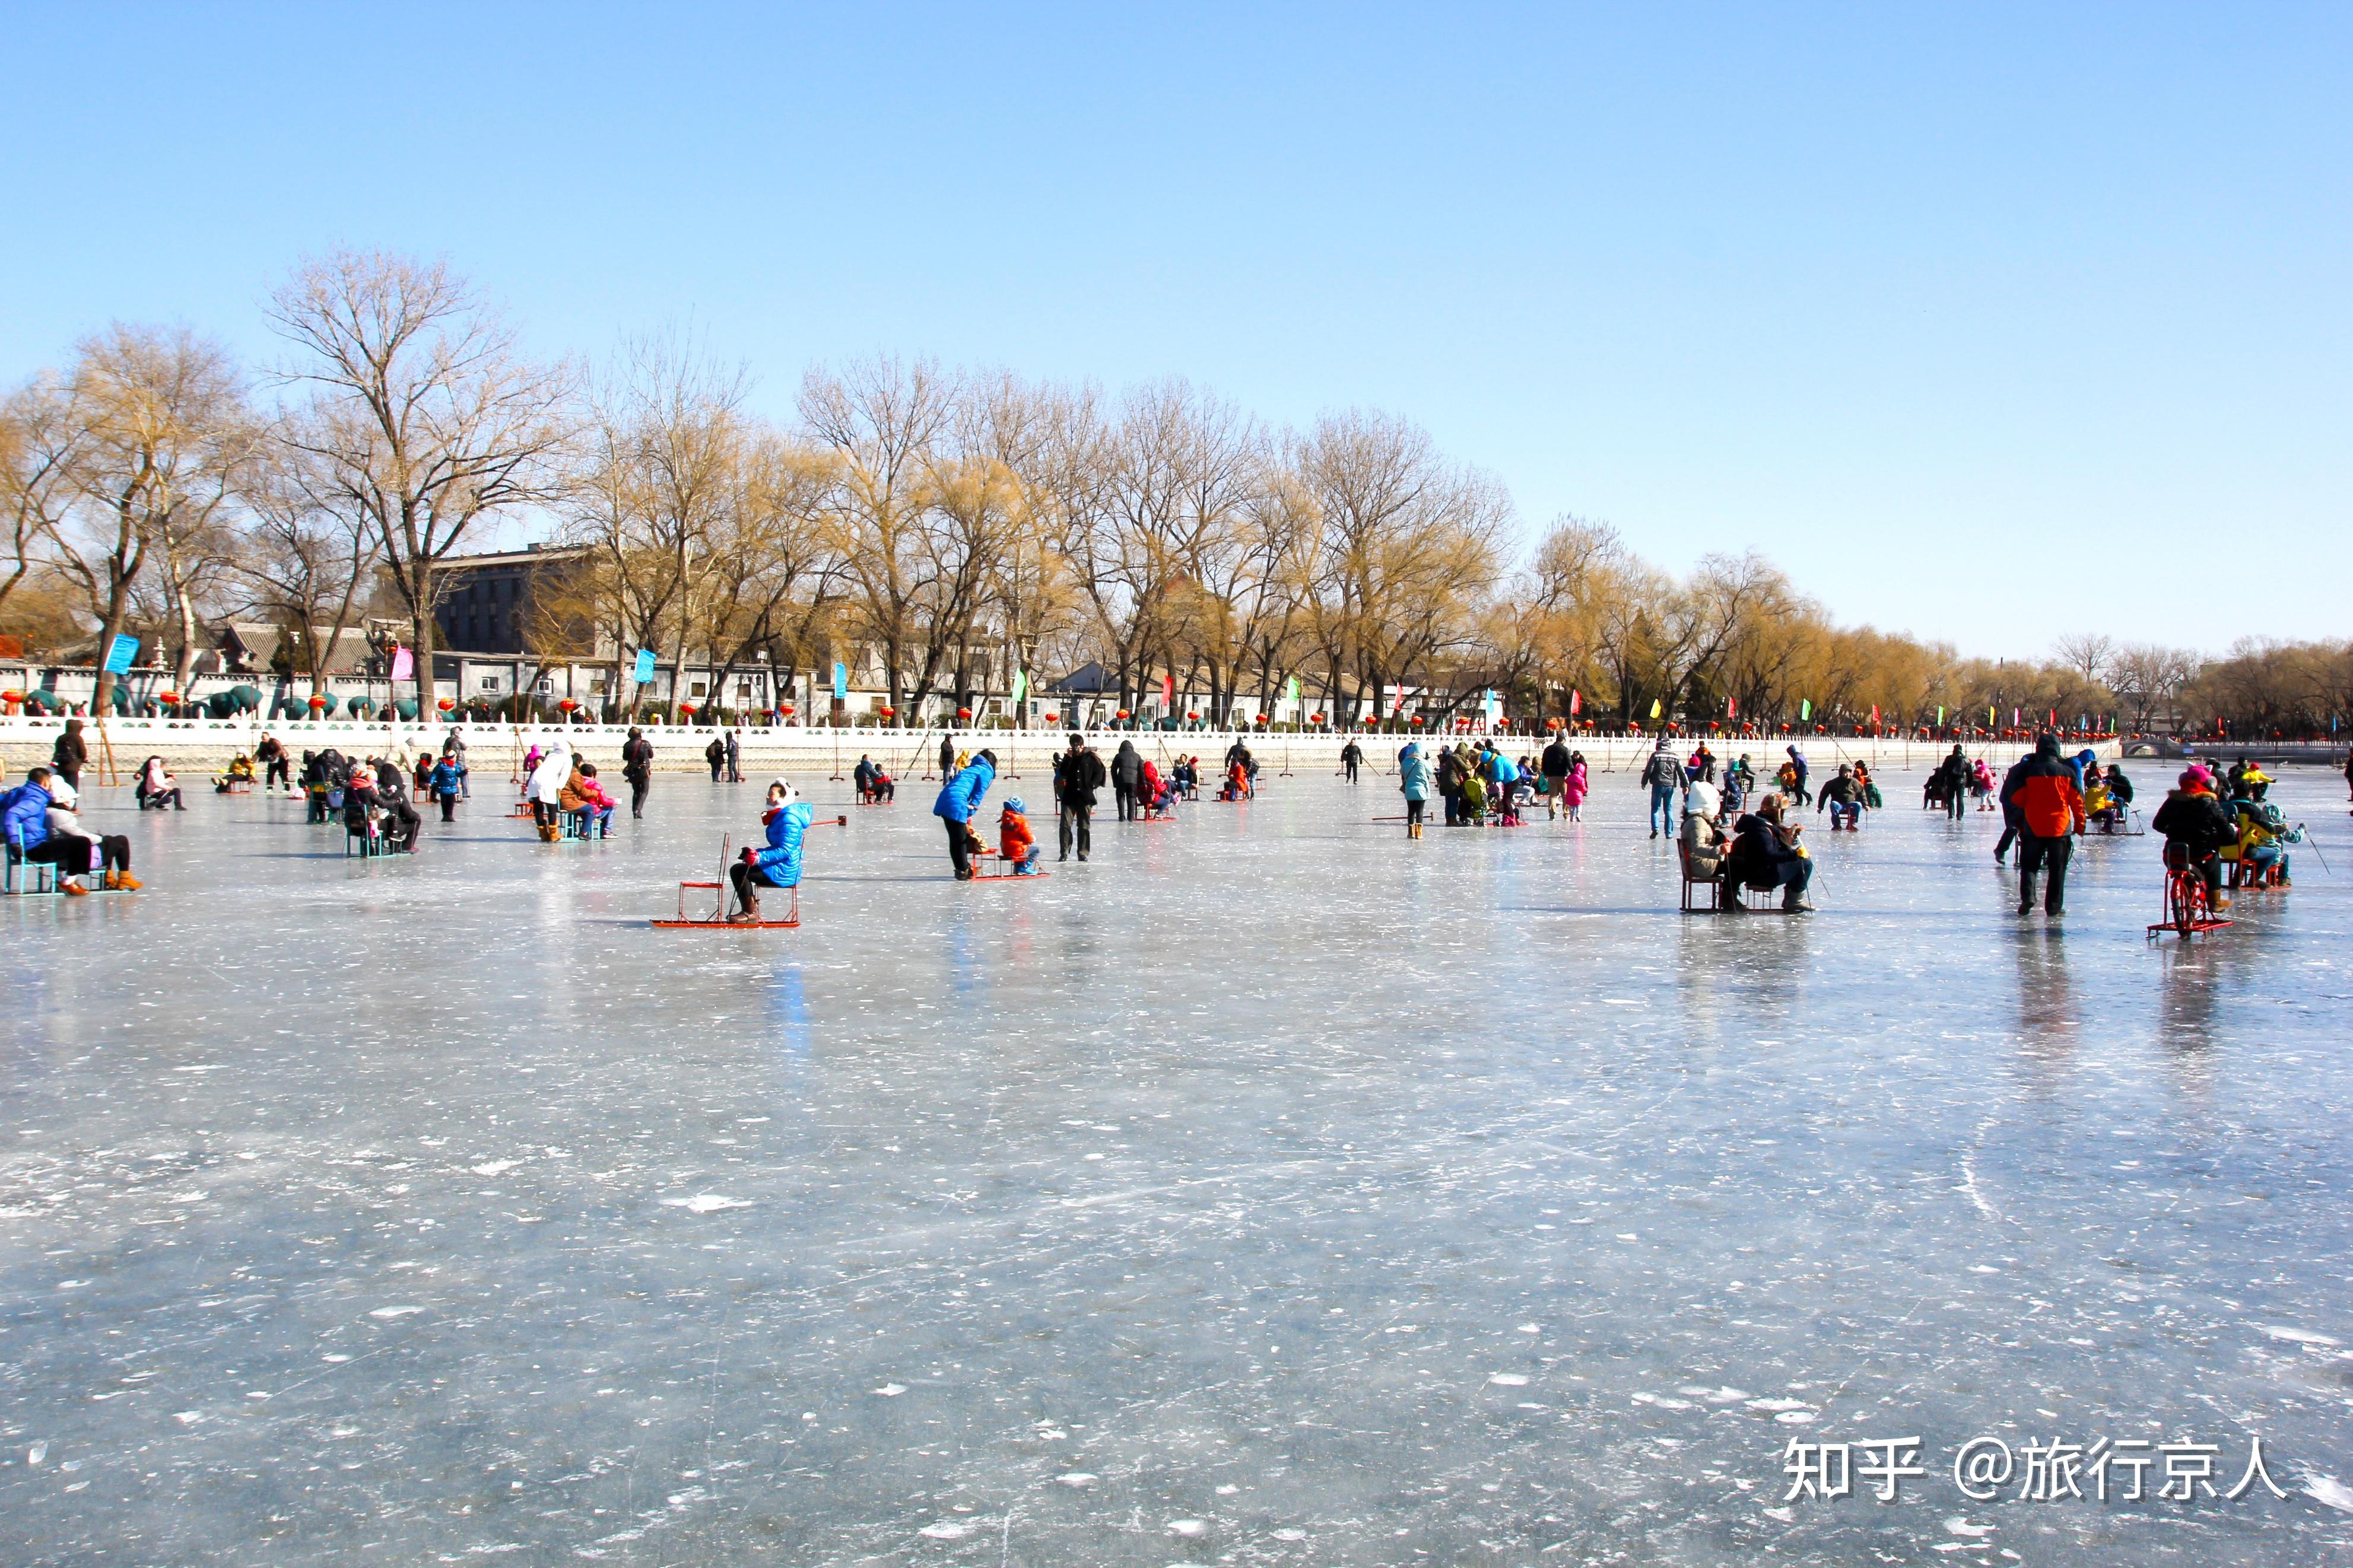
[[23, 876]]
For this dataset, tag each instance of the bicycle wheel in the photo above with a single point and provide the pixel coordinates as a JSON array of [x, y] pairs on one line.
[[2181, 902]]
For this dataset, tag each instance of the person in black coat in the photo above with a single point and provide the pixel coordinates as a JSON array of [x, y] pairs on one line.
[[1351, 756], [1126, 780], [1765, 855], [638, 768], [1078, 774], [400, 812]]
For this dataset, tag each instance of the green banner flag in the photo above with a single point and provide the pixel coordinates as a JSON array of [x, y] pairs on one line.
[[1805, 709], [1021, 686], [1290, 688], [1940, 714]]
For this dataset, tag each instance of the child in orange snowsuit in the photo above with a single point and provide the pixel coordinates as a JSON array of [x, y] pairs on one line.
[[1015, 842]]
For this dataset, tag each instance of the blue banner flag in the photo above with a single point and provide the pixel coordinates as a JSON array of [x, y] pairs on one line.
[[645, 670], [119, 653], [840, 679]]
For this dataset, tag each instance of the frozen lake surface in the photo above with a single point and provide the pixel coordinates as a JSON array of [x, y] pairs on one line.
[[1271, 1190]]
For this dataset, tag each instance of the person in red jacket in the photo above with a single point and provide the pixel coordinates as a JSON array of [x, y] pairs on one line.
[[1015, 842], [2042, 790]]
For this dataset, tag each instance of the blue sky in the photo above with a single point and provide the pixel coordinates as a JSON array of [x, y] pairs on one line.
[[1990, 324]]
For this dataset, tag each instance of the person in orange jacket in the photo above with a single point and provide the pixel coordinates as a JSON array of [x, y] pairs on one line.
[[1015, 842], [2042, 790]]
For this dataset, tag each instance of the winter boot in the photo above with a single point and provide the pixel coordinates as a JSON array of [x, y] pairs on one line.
[[748, 915]]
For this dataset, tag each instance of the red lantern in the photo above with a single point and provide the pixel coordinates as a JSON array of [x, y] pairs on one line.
[[566, 706], [1261, 718], [886, 712], [445, 704], [1123, 713], [787, 709], [1194, 718], [1552, 724], [966, 713], [1317, 720], [1417, 718], [317, 700], [686, 710], [168, 696]]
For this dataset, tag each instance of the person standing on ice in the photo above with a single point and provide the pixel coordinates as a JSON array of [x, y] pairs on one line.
[[959, 800], [785, 820], [1078, 774], [1126, 779], [1413, 782], [545, 789], [638, 768], [1352, 757], [1664, 775]]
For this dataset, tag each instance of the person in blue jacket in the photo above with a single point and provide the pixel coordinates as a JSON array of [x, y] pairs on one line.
[[786, 820], [959, 799], [1413, 779], [24, 814], [447, 782], [1503, 778]]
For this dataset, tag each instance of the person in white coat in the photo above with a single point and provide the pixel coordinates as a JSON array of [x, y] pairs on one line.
[[545, 787]]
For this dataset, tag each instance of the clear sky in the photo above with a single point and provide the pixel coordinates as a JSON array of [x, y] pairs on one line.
[[1987, 322]]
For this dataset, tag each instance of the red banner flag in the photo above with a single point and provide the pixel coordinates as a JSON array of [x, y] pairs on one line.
[[1732, 707], [1575, 702], [1874, 719], [1169, 694]]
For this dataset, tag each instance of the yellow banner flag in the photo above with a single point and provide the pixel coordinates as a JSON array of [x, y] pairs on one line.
[[1654, 706]]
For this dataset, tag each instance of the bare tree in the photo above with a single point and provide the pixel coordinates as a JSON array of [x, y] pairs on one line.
[[428, 417], [668, 442], [164, 434], [311, 565], [2085, 653], [40, 442], [881, 420]]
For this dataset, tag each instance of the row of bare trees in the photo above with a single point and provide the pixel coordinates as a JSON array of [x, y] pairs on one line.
[[937, 530], [148, 484]]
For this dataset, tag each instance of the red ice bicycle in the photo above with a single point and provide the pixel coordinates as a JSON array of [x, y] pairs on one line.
[[2188, 902]]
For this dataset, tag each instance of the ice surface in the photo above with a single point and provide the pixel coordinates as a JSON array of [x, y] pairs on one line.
[[1270, 1190]]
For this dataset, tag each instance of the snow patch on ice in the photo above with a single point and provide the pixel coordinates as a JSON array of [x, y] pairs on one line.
[[2297, 1336], [2328, 1491], [706, 1202]]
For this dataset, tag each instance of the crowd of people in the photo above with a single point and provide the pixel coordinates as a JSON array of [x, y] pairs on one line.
[[2220, 825]]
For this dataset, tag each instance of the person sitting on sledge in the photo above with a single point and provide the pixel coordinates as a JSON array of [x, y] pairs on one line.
[[2120, 791], [1155, 791], [1765, 855], [238, 771], [1237, 783], [2196, 825], [1843, 797], [586, 799], [2263, 838], [1871, 799], [874, 785], [785, 820], [38, 821], [1474, 798], [1016, 845], [157, 787]]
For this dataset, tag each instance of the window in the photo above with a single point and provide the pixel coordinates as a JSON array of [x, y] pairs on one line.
[[546, 685], [698, 688], [489, 683]]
